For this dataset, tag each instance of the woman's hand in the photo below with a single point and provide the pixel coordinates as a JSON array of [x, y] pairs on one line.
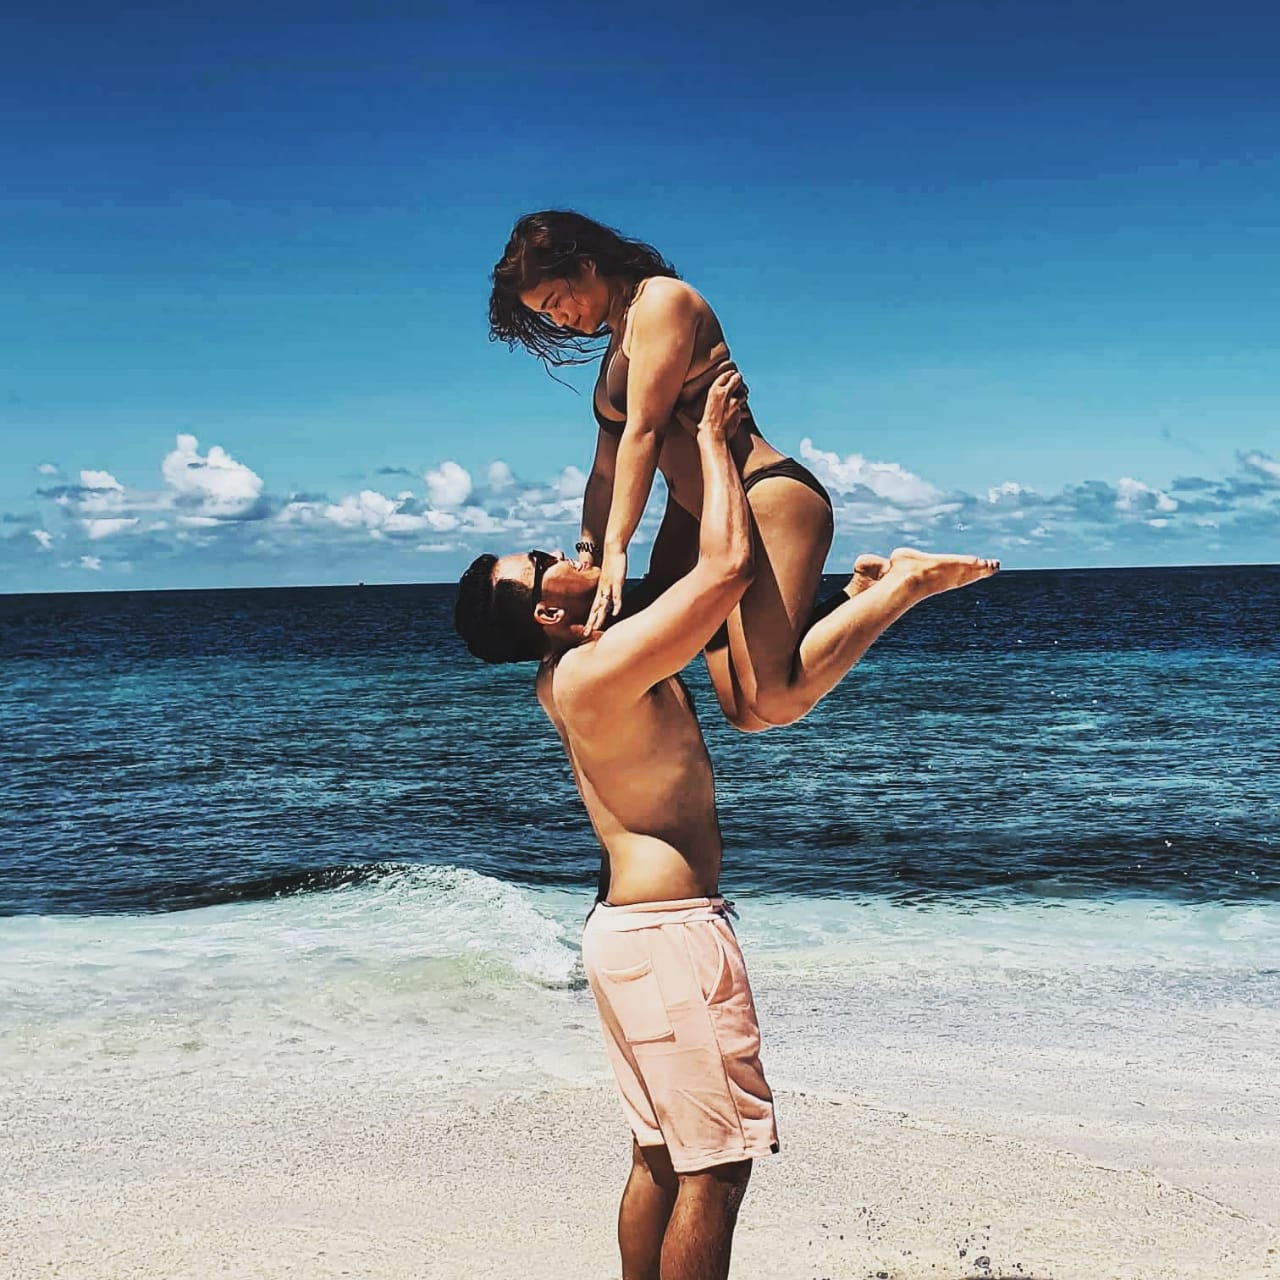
[[608, 601], [586, 555]]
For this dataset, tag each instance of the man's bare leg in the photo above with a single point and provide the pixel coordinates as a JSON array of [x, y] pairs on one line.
[[647, 1202], [699, 1237]]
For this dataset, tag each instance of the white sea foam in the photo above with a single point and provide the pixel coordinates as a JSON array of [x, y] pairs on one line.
[[426, 970], [1046, 934], [462, 982], [410, 915]]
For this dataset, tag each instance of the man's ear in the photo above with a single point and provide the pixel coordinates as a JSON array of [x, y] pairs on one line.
[[548, 615]]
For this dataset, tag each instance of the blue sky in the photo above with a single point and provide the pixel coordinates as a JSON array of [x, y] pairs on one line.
[[1006, 275]]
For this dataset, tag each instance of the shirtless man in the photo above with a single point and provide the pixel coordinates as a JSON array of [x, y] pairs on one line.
[[658, 948]]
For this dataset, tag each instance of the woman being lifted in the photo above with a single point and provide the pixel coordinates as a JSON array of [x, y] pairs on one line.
[[565, 283]]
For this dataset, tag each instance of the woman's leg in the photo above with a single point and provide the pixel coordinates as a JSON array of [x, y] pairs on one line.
[[769, 666], [793, 528], [724, 680], [675, 552], [778, 666]]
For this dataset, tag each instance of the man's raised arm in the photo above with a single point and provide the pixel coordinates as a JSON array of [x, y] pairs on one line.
[[634, 654]]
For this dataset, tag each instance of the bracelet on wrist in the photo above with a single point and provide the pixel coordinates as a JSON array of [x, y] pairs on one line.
[[586, 545]]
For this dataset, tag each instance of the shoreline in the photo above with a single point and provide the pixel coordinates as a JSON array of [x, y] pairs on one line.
[[259, 1179]]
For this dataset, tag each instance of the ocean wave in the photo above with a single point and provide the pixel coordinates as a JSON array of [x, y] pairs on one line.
[[168, 892], [287, 884], [388, 929], [442, 974], [434, 975]]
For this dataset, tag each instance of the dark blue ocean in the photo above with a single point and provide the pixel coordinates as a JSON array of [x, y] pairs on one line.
[[1044, 735]]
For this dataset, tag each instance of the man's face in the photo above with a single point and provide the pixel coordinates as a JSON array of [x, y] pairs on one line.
[[554, 581]]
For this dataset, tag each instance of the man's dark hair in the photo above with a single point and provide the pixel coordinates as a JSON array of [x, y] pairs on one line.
[[495, 620]]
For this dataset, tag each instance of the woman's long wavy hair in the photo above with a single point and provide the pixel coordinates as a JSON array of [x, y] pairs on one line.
[[553, 245]]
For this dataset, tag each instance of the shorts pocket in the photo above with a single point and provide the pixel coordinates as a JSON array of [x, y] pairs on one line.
[[712, 963], [636, 1001]]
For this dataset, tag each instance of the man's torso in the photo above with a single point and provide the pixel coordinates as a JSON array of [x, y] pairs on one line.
[[645, 777]]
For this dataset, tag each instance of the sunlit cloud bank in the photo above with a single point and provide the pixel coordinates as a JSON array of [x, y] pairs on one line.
[[212, 519], [1127, 521]]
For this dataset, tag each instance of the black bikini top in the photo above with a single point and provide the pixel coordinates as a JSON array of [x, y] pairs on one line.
[[711, 359]]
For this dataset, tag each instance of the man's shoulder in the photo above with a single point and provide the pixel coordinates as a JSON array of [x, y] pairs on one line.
[[578, 676], [579, 686]]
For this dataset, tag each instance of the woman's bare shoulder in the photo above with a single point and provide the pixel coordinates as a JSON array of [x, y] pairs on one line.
[[669, 296], [661, 303]]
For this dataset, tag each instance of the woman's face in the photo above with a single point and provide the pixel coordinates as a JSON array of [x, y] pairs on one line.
[[581, 304]]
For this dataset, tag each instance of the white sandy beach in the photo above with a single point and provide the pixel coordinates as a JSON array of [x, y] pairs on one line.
[[188, 1177], [408, 1080]]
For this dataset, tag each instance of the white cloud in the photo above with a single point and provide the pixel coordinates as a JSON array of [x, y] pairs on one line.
[[101, 494], [104, 527], [572, 483], [449, 485], [216, 485], [1257, 461], [887, 480], [300, 511], [375, 512], [367, 509], [100, 480], [206, 500], [48, 469], [91, 562], [440, 521], [477, 520], [1133, 495], [1009, 489]]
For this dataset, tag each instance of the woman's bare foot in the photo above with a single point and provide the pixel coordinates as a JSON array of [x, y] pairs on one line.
[[867, 571], [931, 574]]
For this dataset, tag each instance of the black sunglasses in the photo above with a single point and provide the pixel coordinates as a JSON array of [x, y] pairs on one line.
[[541, 561]]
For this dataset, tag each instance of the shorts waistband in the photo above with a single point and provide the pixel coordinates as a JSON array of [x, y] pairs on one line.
[[652, 915]]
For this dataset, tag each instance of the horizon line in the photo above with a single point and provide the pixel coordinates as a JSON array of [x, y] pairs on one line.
[[453, 582]]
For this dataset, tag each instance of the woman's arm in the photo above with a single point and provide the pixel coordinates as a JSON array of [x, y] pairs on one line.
[[663, 326], [598, 496]]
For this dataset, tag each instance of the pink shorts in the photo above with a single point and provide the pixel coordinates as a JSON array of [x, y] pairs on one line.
[[681, 1030]]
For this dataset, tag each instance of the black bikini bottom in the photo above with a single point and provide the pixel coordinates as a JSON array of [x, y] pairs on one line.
[[792, 470]]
